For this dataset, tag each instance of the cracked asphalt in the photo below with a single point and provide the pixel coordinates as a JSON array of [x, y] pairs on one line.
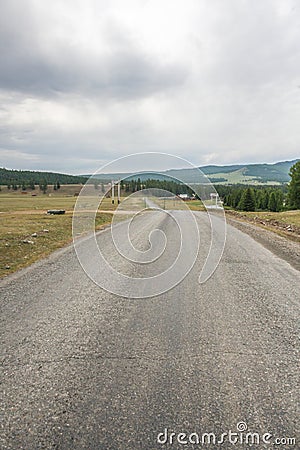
[[84, 369]]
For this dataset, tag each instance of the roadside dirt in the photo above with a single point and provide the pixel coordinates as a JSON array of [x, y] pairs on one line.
[[285, 245]]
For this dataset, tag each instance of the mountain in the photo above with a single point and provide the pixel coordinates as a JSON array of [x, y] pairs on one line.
[[276, 173], [261, 173]]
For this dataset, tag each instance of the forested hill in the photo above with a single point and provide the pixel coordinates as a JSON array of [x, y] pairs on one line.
[[256, 174], [241, 173], [261, 172], [27, 176]]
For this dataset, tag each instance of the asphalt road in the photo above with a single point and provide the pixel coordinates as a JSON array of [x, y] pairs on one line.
[[85, 369]]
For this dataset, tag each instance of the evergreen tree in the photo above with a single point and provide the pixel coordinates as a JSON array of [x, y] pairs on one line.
[[272, 206], [43, 186], [258, 198], [294, 187], [265, 200], [31, 184], [247, 202], [279, 199]]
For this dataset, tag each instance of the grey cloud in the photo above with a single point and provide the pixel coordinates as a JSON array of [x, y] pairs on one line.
[[257, 45], [125, 72]]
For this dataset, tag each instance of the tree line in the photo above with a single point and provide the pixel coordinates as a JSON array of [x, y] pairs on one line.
[[273, 198], [247, 198], [134, 185], [29, 178], [43, 185]]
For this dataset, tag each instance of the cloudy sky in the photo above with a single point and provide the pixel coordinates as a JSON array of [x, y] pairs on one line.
[[85, 81]]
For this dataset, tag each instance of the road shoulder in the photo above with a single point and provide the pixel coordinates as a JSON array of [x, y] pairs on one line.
[[284, 248]]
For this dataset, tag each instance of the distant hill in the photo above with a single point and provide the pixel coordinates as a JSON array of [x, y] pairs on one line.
[[276, 173], [8, 176], [261, 173]]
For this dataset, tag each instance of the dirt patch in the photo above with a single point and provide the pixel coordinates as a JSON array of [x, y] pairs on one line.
[[283, 228]]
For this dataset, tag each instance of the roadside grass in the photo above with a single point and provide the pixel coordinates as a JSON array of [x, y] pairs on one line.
[[195, 205], [284, 223], [21, 216], [284, 217]]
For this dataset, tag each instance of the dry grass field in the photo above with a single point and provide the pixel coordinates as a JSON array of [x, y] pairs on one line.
[[28, 233]]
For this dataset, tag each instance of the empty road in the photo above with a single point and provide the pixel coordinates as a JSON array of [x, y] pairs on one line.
[[85, 369]]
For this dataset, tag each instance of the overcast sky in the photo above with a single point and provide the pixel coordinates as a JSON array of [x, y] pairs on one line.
[[85, 81]]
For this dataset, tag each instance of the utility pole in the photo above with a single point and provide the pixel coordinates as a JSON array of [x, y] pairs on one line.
[[112, 192], [119, 192]]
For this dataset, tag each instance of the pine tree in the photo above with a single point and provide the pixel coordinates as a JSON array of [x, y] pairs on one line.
[[247, 202], [272, 206], [43, 186], [279, 199], [31, 184], [294, 187], [258, 198], [265, 200]]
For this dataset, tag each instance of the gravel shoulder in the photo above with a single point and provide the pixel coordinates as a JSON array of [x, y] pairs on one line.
[[282, 247]]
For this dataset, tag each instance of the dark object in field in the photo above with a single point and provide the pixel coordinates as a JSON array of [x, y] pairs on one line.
[[56, 211]]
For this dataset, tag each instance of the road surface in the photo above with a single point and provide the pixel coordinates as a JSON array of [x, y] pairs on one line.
[[86, 369]]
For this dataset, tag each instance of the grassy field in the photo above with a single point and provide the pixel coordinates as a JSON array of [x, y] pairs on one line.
[[195, 205], [238, 177], [23, 215]]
